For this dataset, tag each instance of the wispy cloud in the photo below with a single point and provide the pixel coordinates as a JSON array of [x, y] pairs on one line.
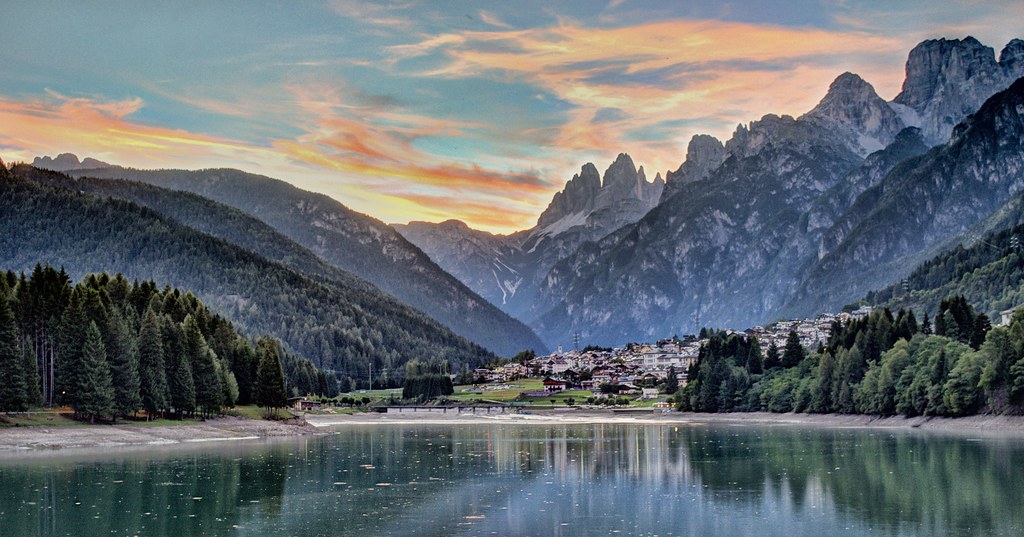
[[671, 70], [362, 151]]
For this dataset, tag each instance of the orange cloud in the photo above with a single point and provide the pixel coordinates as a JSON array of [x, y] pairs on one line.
[[370, 164], [680, 72]]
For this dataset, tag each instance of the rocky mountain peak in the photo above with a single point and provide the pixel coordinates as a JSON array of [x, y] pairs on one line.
[[934, 63], [67, 162], [622, 172], [1011, 59], [852, 105], [948, 79], [578, 196], [704, 153]]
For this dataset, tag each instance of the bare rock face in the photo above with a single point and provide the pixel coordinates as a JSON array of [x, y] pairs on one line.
[[852, 106], [704, 154], [948, 79], [1011, 59], [578, 196], [66, 162]]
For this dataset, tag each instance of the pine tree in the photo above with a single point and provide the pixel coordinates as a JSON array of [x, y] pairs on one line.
[[926, 325], [95, 397], [772, 359], [152, 375], [209, 391], [755, 360], [124, 365], [32, 394], [671, 381], [270, 386], [71, 341], [979, 329], [793, 352], [13, 397]]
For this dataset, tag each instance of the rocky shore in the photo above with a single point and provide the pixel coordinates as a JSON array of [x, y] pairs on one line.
[[21, 439]]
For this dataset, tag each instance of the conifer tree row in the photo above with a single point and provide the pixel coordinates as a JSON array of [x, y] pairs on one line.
[[881, 364], [109, 349]]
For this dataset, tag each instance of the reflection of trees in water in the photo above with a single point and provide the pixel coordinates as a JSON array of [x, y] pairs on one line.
[[930, 484], [194, 494], [427, 480]]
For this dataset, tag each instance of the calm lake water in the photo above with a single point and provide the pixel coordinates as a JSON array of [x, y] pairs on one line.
[[539, 480]]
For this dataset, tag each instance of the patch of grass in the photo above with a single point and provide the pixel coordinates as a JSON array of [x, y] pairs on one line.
[[579, 397], [39, 419], [254, 412], [516, 388]]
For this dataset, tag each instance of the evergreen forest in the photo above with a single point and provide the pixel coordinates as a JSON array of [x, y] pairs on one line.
[[110, 348], [344, 325], [881, 364]]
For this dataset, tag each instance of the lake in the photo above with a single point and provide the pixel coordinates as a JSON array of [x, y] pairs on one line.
[[521, 480]]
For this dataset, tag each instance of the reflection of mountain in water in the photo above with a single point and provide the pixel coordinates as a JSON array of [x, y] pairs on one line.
[[536, 480]]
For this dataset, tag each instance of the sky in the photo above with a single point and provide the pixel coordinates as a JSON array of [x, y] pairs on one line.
[[423, 110]]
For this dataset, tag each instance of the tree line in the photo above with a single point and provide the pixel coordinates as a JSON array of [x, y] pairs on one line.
[[880, 364], [344, 325], [109, 348]]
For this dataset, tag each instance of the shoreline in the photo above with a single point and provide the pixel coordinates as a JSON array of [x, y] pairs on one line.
[[41, 439], [18, 441], [994, 425]]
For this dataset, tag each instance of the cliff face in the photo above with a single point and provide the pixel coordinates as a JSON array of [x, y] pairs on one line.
[[949, 79], [790, 216], [507, 270]]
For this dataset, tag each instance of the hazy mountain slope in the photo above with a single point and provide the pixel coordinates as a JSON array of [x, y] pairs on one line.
[[214, 219], [923, 202], [989, 273], [354, 242], [507, 270], [338, 327], [700, 256]]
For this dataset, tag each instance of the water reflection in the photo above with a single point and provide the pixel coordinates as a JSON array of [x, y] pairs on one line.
[[532, 480]]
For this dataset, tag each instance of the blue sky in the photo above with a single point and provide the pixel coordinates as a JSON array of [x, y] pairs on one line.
[[433, 110]]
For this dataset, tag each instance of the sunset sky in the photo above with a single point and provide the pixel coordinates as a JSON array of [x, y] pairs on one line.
[[433, 110]]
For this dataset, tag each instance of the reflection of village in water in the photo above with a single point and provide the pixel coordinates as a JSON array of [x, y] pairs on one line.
[[564, 479]]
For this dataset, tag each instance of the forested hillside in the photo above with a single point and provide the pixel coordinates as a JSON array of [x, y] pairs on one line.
[[881, 364], [353, 242], [109, 348], [989, 273], [340, 327]]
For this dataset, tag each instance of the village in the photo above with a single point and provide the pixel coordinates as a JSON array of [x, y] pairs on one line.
[[638, 368]]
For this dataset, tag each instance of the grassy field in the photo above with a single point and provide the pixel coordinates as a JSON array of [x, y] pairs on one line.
[[254, 412], [62, 418], [38, 419], [516, 388]]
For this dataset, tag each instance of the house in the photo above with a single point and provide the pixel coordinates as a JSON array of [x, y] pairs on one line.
[[551, 385], [649, 393], [302, 404]]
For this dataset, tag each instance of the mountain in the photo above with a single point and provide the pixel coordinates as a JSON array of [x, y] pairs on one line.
[[704, 154], [507, 270], [66, 162], [988, 271], [709, 254], [948, 79], [704, 254], [340, 327], [353, 242], [923, 204]]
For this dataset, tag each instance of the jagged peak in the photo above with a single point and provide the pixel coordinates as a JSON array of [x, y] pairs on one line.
[[933, 60], [1011, 58]]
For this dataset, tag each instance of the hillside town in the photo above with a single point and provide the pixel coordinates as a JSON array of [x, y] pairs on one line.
[[639, 365]]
